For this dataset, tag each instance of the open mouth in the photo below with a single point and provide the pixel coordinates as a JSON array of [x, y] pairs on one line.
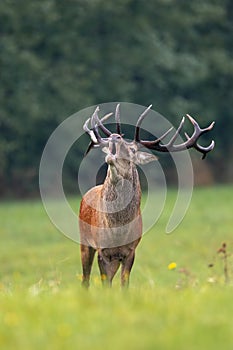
[[112, 148], [112, 155]]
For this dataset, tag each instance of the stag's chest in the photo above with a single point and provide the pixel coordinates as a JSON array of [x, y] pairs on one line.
[[121, 202]]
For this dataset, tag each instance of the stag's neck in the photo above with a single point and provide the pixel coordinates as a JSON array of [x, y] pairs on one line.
[[114, 181], [122, 195]]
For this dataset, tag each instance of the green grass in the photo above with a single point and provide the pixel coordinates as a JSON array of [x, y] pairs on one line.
[[42, 305]]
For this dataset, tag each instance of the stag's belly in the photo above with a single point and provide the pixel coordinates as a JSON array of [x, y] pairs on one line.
[[118, 253]]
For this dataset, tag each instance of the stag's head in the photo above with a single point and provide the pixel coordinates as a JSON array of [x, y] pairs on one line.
[[121, 154]]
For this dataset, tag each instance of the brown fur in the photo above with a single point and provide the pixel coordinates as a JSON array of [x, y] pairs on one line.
[[114, 234]]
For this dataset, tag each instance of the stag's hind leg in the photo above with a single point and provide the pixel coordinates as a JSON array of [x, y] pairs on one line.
[[87, 256], [108, 269], [127, 265]]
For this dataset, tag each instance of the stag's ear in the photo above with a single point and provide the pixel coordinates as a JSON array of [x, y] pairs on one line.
[[144, 158]]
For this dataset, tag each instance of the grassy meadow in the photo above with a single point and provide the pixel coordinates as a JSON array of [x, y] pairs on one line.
[[184, 305]]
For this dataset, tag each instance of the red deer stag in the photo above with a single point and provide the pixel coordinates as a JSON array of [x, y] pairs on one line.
[[110, 219]]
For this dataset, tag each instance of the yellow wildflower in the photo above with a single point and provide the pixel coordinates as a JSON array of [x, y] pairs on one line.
[[172, 266]]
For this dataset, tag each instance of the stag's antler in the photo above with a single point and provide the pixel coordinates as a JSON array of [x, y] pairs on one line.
[[191, 142], [96, 139]]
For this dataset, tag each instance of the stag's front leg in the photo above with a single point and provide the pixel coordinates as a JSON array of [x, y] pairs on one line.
[[87, 256]]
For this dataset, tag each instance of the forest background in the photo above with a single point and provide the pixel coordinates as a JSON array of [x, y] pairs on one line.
[[57, 57]]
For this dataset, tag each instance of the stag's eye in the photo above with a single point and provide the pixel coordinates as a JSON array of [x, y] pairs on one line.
[[133, 150]]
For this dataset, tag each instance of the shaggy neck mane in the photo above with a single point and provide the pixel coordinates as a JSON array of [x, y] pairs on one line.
[[121, 196]]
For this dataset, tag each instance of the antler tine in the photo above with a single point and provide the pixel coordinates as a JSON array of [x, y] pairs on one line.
[[204, 150], [91, 134], [139, 122], [195, 124], [117, 118], [85, 126], [96, 123], [96, 139], [95, 118], [199, 148], [100, 123], [192, 141], [105, 117], [163, 136], [174, 137]]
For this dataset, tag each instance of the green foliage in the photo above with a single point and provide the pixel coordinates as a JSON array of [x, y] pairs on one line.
[[60, 56], [43, 305]]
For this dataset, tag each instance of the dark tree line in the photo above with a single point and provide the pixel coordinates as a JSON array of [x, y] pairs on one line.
[[57, 57]]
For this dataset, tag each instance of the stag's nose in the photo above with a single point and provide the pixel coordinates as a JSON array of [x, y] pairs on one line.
[[114, 140], [115, 137]]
